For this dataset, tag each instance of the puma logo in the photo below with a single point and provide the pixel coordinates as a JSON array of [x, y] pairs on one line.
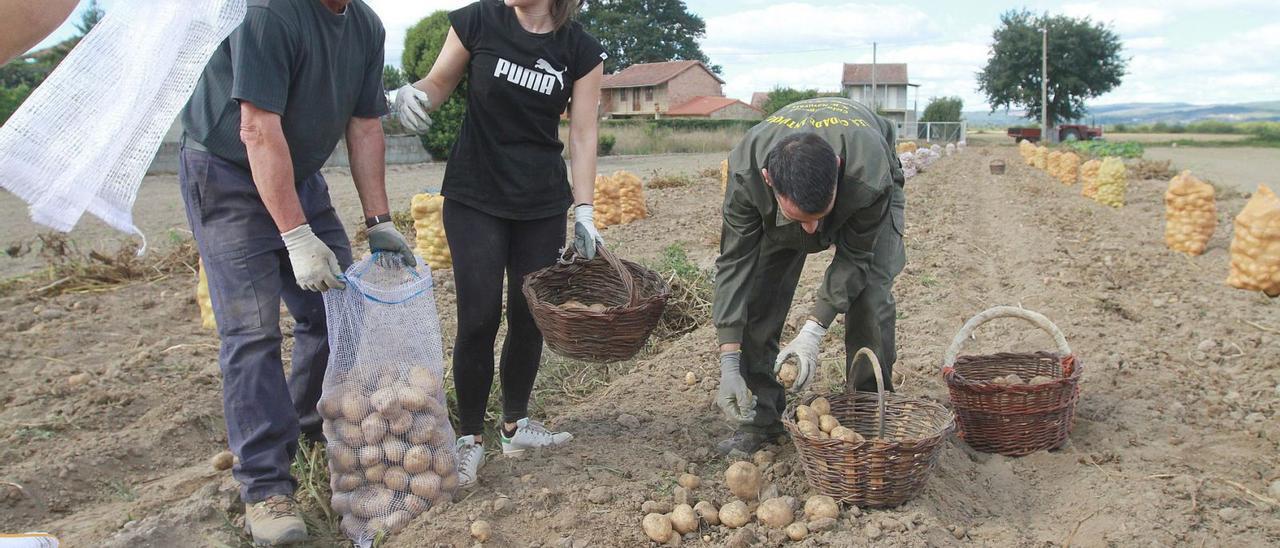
[[546, 67], [542, 82]]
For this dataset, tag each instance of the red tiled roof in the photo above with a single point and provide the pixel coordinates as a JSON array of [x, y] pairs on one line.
[[704, 106], [651, 74], [859, 74], [759, 98]]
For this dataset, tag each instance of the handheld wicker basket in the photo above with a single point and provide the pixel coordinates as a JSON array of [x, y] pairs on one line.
[[903, 439], [634, 297], [1013, 419], [997, 167]]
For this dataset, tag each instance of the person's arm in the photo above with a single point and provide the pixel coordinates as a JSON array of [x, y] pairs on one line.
[[584, 125], [447, 71], [271, 165], [847, 274], [24, 23], [367, 149], [740, 237]]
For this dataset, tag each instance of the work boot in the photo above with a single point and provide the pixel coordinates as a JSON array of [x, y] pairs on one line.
[[274, 521], [745, 442]]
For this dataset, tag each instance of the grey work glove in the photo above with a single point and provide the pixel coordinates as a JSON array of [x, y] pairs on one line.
[[585, 236], [315, 267], [733, 397], [412, 107], [805, 349], [385, 238]]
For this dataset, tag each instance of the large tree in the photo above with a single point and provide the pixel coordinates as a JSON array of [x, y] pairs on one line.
[[783, 96], [943, 109], [1084, 62], [422, 45], [645, 31]]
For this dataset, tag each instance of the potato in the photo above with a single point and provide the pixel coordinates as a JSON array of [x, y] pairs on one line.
[[775, 512], [707, 512], [341, 503], [423, 428], [424, 379], [374, 474], [353, 526], [820, 406], [827, 423], [684, 519], [396, 479], [1040, 379], [394, 450], [438, 438], [425, 485], [223, 460], [734, 514], [821, 506], [690, 379], [377, 525], [370, 455], [330, 407], [347, 482], [797, 531], [373, 428], [448, 485], [808, 429], [387, 402], [397, 521], [787, 374], [415, 504], [400, 424], [689, 481], [444, 462], [417, 459], [350, 433], [846, 434], [481, 531], [806, 413], [355, 407], [371, 502], [743, 479], [657, 527], [413, 399]]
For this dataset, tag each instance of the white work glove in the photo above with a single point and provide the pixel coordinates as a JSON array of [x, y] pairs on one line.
[[384, 237], [412, 108], [805, 349], [733, 397], [315, 267], [585, 235]]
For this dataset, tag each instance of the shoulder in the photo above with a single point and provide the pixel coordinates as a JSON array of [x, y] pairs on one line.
[[480, 8], [274, 12], [368, 17]]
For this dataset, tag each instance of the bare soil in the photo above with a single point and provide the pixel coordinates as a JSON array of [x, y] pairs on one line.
[[1176, 440], [1239, 168]]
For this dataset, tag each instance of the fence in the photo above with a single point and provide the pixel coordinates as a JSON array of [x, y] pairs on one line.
[[944, 132]]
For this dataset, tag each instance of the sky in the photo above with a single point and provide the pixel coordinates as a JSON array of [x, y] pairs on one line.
[[1223, 51]]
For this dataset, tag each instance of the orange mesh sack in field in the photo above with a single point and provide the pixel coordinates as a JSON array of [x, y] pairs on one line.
[[207, 320], [1190, 214], [1068, 168], [1113, 179], [1041, 159], [724, 175], [907, 146], [1028, 152], [1255, 250], [631, 206], [1089, 178], [1053, 163], [607, 202], [428, 223]]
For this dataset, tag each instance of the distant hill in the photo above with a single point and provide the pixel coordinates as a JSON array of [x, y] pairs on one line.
[[1144, 113]]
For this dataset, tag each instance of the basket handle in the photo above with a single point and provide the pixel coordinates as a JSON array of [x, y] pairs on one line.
[[628, 282], [875, 368], [949, 359]]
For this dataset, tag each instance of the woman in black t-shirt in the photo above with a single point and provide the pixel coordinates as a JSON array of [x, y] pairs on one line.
[[506, 190]]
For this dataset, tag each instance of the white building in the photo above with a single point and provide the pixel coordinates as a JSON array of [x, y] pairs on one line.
[[893, 94]]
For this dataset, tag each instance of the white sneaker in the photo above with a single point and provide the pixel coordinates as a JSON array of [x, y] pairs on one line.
[[531, 435], [470, 459]]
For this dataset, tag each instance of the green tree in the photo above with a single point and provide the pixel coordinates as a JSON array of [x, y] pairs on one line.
[[90, 18], [943, 109], [11, 98], [783, 96], [645, 31], [422, 45], [1084, 62], [392, 78]]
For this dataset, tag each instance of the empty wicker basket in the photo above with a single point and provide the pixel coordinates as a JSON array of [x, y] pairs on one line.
[[1013, 419], [634, 298], [903, 439]]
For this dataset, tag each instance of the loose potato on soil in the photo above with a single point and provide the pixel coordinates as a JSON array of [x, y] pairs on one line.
[[743, 479], [775, 512], [708, 512], [222, 461], [735, 514], [797, 531], [657, 527], [821, 506], [684, 519], [689, 481], [481, 531]]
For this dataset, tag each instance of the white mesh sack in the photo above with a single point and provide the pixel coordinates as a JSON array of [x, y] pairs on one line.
[[390, 445], [85, 137], [908, 161]]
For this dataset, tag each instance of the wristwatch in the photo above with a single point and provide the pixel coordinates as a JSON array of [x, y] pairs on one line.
[[370, 221]]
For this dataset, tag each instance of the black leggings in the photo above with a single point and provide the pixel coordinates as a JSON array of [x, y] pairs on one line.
[[484, 248]]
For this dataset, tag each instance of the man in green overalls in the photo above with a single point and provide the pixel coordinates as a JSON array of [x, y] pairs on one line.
[[818, 174]]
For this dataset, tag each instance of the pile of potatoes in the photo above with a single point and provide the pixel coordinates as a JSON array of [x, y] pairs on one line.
[[816, 421], [1013, 378], [1028, 151], [907, 146], [1255, 248], [745, 481], [1041, 158], [390, 447]]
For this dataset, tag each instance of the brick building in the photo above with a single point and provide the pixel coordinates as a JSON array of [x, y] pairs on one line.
[[651, 90]]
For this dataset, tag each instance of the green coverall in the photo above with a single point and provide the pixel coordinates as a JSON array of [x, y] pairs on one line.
[[762, 253]]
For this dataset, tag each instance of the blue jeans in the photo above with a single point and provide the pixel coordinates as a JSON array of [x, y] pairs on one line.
[[249, 274]]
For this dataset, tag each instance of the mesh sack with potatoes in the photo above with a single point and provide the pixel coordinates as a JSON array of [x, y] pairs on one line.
[[1190, 214], [869, 449], [390, 445], [1255, 248], [1089, 178], [1013, 404], [428, 225], [1027, 151], [1112, 181]]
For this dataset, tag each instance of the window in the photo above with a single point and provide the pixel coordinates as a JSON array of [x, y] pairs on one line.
[[622, 95], [648, 93]]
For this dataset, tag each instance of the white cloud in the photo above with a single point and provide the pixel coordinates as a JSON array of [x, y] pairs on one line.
[[398, 15], [803, 27], [1126, 19]]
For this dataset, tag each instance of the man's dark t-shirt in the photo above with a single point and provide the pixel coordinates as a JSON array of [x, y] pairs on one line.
[[506, 161], [315, 68]]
